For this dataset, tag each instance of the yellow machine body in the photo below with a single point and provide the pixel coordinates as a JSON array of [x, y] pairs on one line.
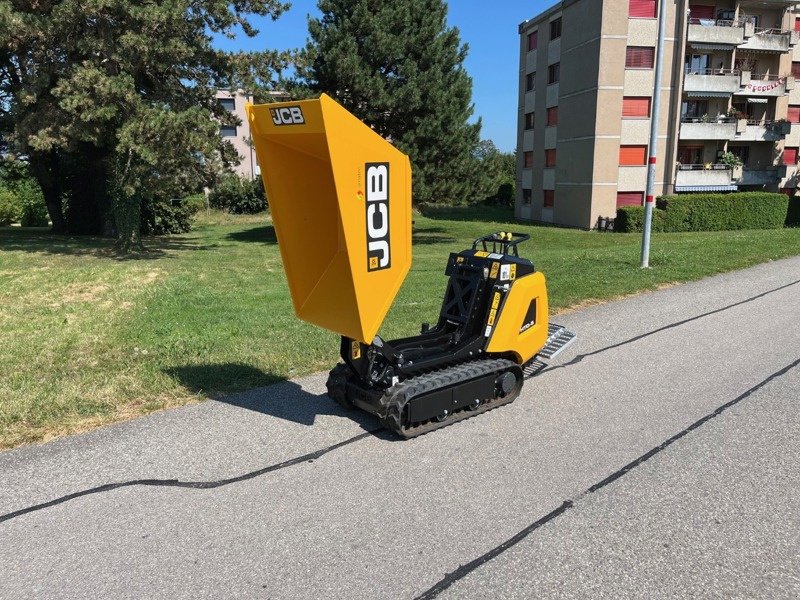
[[521, 324], [340, 198]]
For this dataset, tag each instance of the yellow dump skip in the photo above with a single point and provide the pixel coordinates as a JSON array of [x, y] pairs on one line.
[[340, 197]]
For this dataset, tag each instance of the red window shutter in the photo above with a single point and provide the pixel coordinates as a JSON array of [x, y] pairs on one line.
[[701, 12], [639, 57], [552, 116], [550, 158], [549, 198], [796, 70], [533, 40], [642, 9], [630, 199], [797, 23], [632, 155], [793, 114], [636, 106], [527, 159], [790, 156]]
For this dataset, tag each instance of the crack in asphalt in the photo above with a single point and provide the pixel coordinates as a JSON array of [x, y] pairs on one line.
[[463, 570], [578, 358], [205, 485], [196, 485]]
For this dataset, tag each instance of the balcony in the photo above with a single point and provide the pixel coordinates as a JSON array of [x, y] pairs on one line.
[[764, 85], [711, 177], [762, 131], [711, 31], [704, 129], [766, 40], [714, 81], [761, 175]]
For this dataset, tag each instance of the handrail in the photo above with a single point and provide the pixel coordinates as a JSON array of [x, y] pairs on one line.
[[715, 22], [711, 120], [704, 167], [690, 71]]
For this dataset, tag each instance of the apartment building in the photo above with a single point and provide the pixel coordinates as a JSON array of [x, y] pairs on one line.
[[728, 96], [239, 135]]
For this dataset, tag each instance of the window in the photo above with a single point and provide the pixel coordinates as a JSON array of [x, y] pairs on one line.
[[550, 158], [529, 120], [692, 155], [530, 82], [630, 156], [790, 156], [639, 57], [694, 109], [228, 104], [740, 152], [701, 12], [553, 73], [228, 131], [635, 107], [533, 40], [555, 29], [552, 116], [549, 198], [527, 196], [793, 115], [642, 9], [796, 70], [527, 159], [630, 199]]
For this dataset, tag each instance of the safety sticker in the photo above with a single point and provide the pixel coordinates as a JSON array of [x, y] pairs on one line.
[[508, 272], [488, 331], [495, 268], [492, 315], [495, 255], [482, 253], [355, 348], [496, 300], [512, 275]]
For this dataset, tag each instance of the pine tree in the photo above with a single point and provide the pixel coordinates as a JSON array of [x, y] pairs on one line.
[[115, 99], [399, 68]]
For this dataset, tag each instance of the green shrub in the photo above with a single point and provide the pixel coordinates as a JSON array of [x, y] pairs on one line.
[[710, 212], [31, 201], [195, 202], [160, 217], [238, 195], [9, 207], [630, 219]]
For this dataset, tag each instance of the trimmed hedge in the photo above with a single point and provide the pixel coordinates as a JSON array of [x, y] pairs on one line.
[[709, 212]]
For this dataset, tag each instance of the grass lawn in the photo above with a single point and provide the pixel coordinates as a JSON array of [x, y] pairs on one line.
[[87, 338]]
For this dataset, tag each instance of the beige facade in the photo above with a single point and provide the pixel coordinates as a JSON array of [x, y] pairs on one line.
[[239, 135], [727, 87]]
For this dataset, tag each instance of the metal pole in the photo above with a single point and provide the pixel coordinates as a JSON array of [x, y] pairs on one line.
[[654, 120]]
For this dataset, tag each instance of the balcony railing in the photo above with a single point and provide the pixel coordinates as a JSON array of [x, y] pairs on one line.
[[717, 22], [703, 167], [754, 84], [690, 71]]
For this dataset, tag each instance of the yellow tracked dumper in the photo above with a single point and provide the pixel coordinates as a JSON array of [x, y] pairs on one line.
[[340, 197]]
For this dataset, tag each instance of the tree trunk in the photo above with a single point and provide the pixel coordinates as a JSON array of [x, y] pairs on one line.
[[46, 169]]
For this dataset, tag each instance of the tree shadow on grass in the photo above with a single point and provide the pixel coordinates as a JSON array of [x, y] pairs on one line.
[[264, 234], [422, 236], [247, 387], [41, 241]]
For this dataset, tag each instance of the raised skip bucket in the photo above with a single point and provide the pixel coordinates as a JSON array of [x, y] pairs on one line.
[[340, 197]]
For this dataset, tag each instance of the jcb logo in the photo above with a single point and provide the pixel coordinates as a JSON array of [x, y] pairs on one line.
[[377, 207], [289, 115]]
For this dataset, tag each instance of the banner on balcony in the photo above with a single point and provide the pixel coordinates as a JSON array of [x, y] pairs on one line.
[[765, 86]]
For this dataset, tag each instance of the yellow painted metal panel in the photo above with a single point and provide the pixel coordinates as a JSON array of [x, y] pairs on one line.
[[340, 197], [511, 333]]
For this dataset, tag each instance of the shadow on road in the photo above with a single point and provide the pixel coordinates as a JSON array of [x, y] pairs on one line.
[[283, 400]]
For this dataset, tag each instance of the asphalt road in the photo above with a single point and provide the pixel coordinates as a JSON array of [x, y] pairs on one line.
[[657, 458]]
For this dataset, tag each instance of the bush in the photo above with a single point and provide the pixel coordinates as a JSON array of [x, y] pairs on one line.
[[709, 212], [32, 206], [630, 219], [160, 217], [195, 203], [9, 207], [239, 196]]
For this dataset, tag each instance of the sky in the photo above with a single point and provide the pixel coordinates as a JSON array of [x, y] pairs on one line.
[[489, 28]]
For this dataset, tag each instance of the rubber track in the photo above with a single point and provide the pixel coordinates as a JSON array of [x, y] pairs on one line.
[[404, 392]]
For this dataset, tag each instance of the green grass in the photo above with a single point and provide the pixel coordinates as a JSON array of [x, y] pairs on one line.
[[88, 338]]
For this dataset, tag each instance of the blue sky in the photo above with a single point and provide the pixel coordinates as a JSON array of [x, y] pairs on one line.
[[490, 29]]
